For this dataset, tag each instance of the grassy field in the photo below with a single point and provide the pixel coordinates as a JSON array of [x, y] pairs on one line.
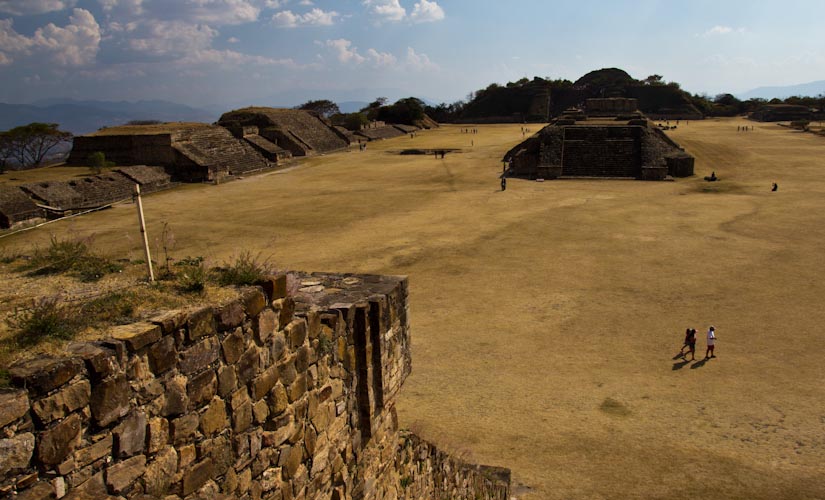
[[546, 318]]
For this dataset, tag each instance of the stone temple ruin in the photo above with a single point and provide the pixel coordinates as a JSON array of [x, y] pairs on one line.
[[609, 139], [271, 395]]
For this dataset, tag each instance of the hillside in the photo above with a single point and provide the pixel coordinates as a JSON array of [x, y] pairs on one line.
[[539, 99]]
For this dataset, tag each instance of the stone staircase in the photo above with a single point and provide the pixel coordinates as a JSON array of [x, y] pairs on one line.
[[601, 152], [215, 148]]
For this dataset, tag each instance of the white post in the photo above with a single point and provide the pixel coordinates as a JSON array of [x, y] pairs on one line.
[[143, 233]]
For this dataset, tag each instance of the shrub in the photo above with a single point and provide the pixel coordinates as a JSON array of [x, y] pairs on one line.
[[47, 319], [193, 278], [73, 257], [113, 308], [245, 270]]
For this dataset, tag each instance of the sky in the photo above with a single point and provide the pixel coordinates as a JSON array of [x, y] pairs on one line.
[[243, 52]]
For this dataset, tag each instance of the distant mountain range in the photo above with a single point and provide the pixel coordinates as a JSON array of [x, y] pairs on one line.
[[811, 89], [82, 117]]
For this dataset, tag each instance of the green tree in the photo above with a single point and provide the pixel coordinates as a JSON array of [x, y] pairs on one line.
[[323, 107], [6, 150], [350, 121], [653, 80], [97, 162], [31, 143]]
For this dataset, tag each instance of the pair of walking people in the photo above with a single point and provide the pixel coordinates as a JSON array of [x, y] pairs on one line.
[[690, 343]]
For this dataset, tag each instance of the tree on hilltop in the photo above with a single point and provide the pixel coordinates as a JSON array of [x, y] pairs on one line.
[[653, 80], [29, 144], [323, 107]]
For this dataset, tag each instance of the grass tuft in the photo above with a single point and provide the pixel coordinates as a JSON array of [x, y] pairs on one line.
[[71, 257], [47, 319], [245, 270]]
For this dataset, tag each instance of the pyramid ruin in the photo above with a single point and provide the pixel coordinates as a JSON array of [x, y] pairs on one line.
[[609, 139]]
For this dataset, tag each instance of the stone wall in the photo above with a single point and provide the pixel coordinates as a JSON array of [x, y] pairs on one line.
[[267, 396]]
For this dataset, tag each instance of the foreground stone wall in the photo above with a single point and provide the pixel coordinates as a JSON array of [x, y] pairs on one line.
[[268, 396]]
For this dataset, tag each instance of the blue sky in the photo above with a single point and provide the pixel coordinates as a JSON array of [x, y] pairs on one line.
[[236, 52]]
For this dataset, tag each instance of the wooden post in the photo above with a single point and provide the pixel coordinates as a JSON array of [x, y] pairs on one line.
[[143, 234]]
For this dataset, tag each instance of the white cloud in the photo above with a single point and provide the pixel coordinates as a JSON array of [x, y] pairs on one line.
[[344, 51], [218, 12], [76, 44], [386, 10], [232, 39], [720, 30], [315, 17], [4, 59], [426, 12], [230, 57], [25, 7], [419, 62], [130, 7], [381, 59], [306, 3], [275, 4], [173, 38]]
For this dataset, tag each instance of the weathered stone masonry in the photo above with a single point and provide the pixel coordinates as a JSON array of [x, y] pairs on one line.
[[269, 396]]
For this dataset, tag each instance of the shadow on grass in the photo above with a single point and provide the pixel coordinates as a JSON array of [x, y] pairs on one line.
[[699, 364]]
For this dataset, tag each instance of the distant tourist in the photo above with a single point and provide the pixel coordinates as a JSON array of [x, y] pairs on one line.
[[503, 183], [712, 177], [690, 343], [711, 343], [774, 187]]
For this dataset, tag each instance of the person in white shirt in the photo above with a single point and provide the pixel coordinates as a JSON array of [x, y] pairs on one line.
[[711, 343]]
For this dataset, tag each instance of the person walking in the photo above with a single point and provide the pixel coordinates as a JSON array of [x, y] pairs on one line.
[[503, 183], [690, 343], [711, 343]]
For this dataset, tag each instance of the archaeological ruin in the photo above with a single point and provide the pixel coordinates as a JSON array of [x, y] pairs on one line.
[[611, 139], [781, 113], [272, 395]]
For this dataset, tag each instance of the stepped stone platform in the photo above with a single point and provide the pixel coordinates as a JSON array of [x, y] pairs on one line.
[[300, 132], [603, 148], [190, 152], [378, 133], [16, 207]]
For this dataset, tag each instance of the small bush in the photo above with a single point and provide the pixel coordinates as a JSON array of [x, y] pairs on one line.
[[73, 257], [193, 278], [117, 308], [47, 319], [245, 270], [325, 344]]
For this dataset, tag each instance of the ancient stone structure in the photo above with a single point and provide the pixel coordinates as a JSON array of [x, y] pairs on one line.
[[267, 396], [302, 133], [190, 152], [781, 113], [599, 148], [612, 106], [16, 207]]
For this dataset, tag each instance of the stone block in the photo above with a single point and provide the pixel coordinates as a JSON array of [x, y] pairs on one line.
[[285, 308], [296, 333], [93, 488], [201, 388], [287, 371], [101, 361], [176, 398], [186, 455], [262, 384], [163, 355], [16, 452], [260, 411], [130, 435], [94, 452], [158, 434], [199, 356], [279, 401], [13, 405], [227, 380], [254, 301], [219, 450], [110, 400], [249, 365], [214, 419], [233, 346], [274, 287], [184, 428], [302, 359], [170, 321], [136, 335], [121, 476], [160, 473], [43, 374], [264, 325], [242, 417], [40, 491], [197, 476], [63, 402], [55, 444], [277, 346], [230, 316], [313, 324], [244, 481], [201, 323]]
